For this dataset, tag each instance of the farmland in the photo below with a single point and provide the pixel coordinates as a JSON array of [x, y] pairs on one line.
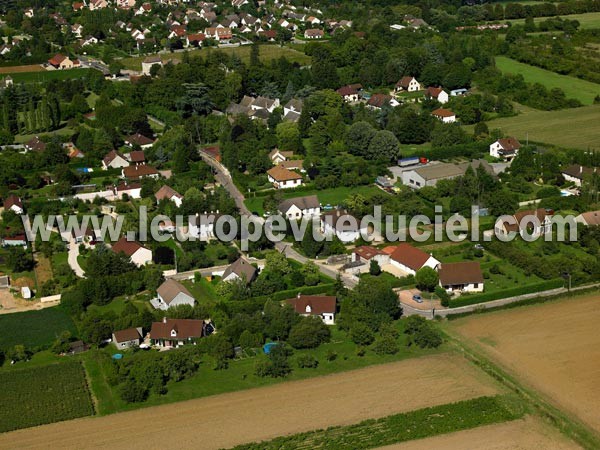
[[40, 395], [550, 347], [47, 75], [586, 20], [549, 126], [582, 90], [34, 328], [340, 399], [267, 53]]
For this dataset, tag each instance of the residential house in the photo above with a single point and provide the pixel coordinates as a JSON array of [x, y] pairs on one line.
[[169, 194], [77, 29], [240, 270], [314, 33], [437, 93], [214, 152], [19, 240], [129, 338], [300, 207], [590, 218], [430, 174], [342, 224], [84, 235], [366, 254], [410, 259], [533, 222], [194, 39], [202, 226], [218, 33], [94, 5], [139, 140], [63, 62], [138, 254], [171, 294], [293, 164], [149, 62], [144, 8], [350, 93], [29, 13], [378, 101], [35, 144], [278, 156], [173, 333], [576, 174], [283, 178], [14, 204], [506, 148], [88, 40], [136, 157], [322, 306], [132, 190], [461, 277], [292, 110], [408, 84], [139, 172], [114, 160], [445, 115]]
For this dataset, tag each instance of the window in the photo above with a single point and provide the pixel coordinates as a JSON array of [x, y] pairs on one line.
[[476, 285]]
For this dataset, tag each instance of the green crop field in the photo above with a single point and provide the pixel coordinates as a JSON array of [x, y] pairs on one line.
[[582, 90], [35, 396], [34, 328], [39, 77], [586, 20], [569, 128], [268, 52]]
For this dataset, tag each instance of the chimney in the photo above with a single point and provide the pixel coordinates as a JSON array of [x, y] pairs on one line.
[[580, 169], [164, 319], [299, 295], [217, 211]]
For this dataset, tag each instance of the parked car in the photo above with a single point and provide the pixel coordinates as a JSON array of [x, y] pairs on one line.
[[417, 298]]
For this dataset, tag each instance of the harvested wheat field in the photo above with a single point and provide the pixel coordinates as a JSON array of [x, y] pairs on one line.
[[552, 347], [21, 69], [529, 433], [265, 413]]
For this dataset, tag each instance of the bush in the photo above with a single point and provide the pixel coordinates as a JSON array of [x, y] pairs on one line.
[[331, 356], [307, 362], [310, 332], [385, 344], [133, 392], [361, 334], [422, 333], [443, 296]]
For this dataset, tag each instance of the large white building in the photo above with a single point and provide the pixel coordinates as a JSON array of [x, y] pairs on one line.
[[299, 207]]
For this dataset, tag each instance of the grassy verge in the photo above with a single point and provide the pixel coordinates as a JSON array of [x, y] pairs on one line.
[[417, 424], [582, 90]]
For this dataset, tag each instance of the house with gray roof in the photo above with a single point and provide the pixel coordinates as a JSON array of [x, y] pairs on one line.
[[299, 207]]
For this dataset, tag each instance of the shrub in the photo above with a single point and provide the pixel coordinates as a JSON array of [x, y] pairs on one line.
[[385, 344], [310, 332], [307, 362], [422, 333], [331, 356]]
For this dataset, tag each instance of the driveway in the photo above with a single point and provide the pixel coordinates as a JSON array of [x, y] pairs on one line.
[[72, 259]]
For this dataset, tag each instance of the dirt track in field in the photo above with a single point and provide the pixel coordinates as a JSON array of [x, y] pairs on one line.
[[529, 433], [21, 69], [259, 414], [552, 347]]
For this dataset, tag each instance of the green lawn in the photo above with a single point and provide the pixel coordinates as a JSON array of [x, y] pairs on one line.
[[582, 90], [34, 328], [240, 374], [333, 197], [569, 128], [39, 77], [268, 52], [202, 290]]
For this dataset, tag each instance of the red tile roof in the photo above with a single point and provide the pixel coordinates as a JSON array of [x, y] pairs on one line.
[[139, 171], [125, 246], [129, 334], [441, 112], [367, 252], [319, 304], [409, 256], [184, 329], [460, 273]]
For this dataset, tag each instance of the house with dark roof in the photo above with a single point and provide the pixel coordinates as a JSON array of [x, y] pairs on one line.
[[350, 93], [505, 148], [14, 204], [129, 338], [533, 222], [132, 190], [169, 194], [240, 270], [114, 160], [321, 306], [298, 207], [378, 101], [171, 294], [367, 253], [410, 259], [18, 240], [138, 172], [437, 93], [140, 140], [62, 62], [577, 173], [138, 254], [314, 33], [408, 84], [461, 277], [341, 223], [173, 333]]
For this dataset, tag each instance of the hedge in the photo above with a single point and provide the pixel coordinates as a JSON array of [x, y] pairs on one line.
[[506, 293]]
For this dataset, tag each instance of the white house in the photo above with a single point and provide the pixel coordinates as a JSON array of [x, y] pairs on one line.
[[278, 156], [173, 333], [299, 207], [240, 270], [322, 306], [430, 175], [283, 178], [576, 174], [114, 160], [506, 148], [344, 225], [445, 115], [133, 190], [169, 194], [19, 240], [149, 62], [410, 259], [138, 255], [350, 93], [366, 254], [131, 337], [437, 93], [202, 226], [534, 222], [14, 204], [461, 277], [590, 218], [171, 294], [408, 84]]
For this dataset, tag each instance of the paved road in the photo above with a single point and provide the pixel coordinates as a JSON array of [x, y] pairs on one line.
[[72, 258], [224, 177]]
